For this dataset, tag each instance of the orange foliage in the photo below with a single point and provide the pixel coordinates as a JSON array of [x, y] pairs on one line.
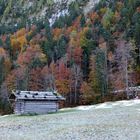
[[10, 81], [87, 95], [62, 78], [8, 65], [93, 16], [69, 30], [35, 82], [56, 33], [110, 56], [62, 86], [85, 88], [76, 23], [2, 52], [3, 38], [30, 54], [78, 55], [138, 9], [21, 32]]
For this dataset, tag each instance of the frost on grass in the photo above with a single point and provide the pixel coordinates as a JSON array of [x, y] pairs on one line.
[[111, 120]]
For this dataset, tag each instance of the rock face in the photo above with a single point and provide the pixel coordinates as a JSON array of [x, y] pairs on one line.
[[90, 5], [13, 10], [16, 10]]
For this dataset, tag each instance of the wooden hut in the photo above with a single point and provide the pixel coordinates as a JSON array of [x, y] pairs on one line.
[[36, 102]]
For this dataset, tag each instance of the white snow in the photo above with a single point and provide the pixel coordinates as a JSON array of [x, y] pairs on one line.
[[106, 105], [90, 6], [84, 107], [4, 116], [57, 15]]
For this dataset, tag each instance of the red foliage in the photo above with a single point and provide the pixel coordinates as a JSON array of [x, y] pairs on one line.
[[78, 55], [35, 82], [30, 54]]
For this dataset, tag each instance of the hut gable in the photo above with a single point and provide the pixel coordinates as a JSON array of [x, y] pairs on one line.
[[36, 102]]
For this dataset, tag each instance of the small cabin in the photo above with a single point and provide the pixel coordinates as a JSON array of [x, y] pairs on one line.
[[36, 102]]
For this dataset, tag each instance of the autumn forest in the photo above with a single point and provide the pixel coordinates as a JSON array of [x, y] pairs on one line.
[[85, 57]]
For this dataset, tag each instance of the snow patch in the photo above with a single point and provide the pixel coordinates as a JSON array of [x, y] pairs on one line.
[[85, 107], [65, 109], [91, 4], [4, 116], [131, 102], [57, 15], [107, 105], [103, 106]]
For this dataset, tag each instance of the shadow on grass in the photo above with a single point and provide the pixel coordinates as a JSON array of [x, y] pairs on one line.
[[49, 113]]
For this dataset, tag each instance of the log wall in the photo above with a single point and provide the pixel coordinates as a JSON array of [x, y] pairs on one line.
[[35, 107]]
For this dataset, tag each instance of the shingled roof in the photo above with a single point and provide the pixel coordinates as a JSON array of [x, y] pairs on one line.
[[38, 95]]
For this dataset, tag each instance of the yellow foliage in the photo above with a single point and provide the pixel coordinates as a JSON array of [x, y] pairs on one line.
[[22, 41], [14, 43], [21, 32], [18, 40], [42, 57], [2, 52], [30, 32], [103, 10], [10, 81], [117, 16], [119, 5]]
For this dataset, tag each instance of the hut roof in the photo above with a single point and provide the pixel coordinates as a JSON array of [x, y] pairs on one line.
[[38, 95]]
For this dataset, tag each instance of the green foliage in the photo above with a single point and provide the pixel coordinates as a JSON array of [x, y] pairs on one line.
[[60, 47], [5, 107], [2, 70], [114, 20], [48, 47], [36, 63], [108, 19], [82, 21], [100, 69], [1, 43]]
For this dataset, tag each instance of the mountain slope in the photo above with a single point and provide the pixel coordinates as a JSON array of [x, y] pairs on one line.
[[90, 55], [17, 10]]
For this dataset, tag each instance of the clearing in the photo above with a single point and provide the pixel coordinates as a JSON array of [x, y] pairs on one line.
[[108, 121]]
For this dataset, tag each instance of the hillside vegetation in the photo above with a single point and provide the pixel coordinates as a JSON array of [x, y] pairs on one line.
[[85, 55]]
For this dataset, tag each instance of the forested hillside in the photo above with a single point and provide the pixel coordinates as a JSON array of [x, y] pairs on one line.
[[85, 56]]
